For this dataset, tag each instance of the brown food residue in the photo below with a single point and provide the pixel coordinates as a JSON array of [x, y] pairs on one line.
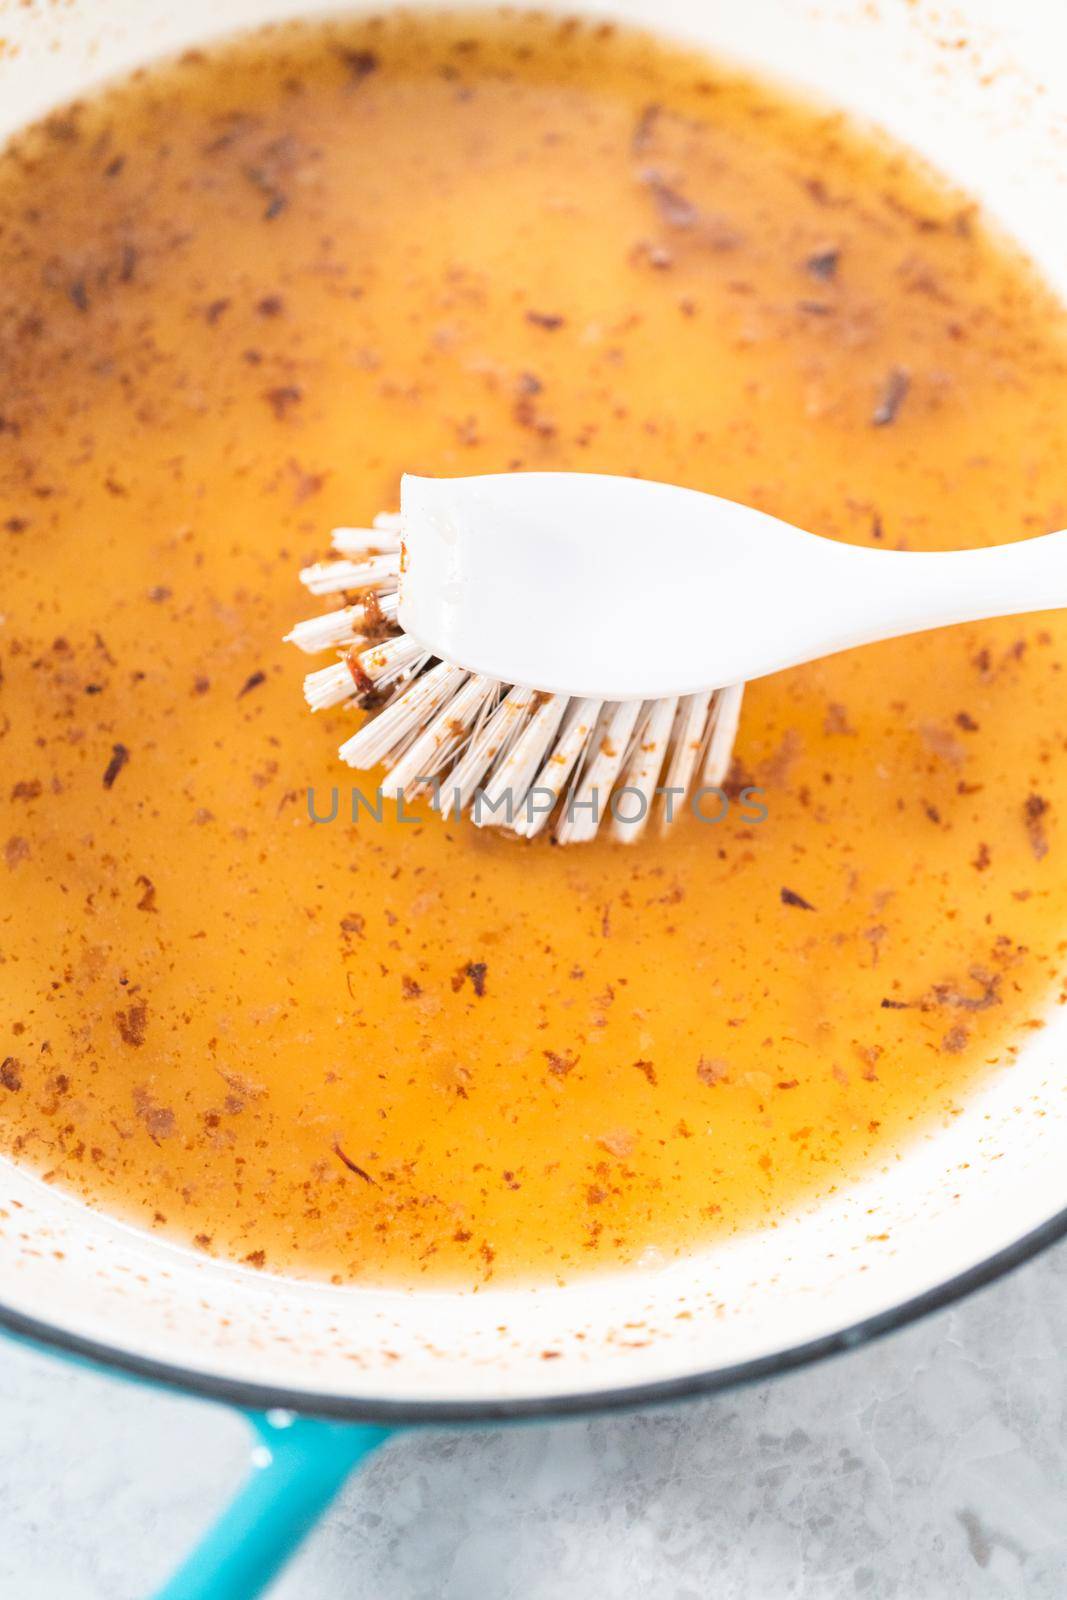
[[242, 295]]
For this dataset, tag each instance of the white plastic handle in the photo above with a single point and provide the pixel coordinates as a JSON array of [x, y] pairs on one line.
[[618, 588]]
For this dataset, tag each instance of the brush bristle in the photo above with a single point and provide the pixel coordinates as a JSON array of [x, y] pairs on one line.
[[510, 757]]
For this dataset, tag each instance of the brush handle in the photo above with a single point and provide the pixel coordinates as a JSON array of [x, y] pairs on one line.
[[971, 585], [619, 589], [891, 593]]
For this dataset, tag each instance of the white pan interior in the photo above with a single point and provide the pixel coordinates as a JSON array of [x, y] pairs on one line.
[[981, 90]]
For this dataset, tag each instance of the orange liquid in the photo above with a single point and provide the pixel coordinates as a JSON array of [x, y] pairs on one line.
[[238, 297]]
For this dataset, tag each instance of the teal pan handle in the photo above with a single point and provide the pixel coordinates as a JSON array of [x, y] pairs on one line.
[[298, 1466]]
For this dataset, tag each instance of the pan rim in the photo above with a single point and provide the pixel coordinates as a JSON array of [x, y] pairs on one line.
[[247, 1395]]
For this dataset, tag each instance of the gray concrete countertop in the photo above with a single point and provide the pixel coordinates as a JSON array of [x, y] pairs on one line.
[[931, 1466]]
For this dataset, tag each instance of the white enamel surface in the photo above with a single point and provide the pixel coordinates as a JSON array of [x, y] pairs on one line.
[[490, 558], [975, 88]]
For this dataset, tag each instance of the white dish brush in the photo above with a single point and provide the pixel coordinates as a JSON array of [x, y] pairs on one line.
[[573, 647]]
